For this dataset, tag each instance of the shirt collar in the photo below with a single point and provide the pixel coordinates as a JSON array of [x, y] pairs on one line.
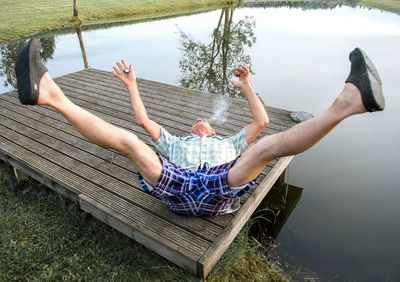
[[195, 135]]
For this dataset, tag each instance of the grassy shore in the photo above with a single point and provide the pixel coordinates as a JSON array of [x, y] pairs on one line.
[[44, 237], [392, 6], [23, 17]]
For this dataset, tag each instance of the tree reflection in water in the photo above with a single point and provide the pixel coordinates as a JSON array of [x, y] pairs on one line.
[[211, 67], [9, 52]]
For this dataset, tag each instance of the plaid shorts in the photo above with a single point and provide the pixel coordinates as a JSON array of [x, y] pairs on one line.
[[200, 193]]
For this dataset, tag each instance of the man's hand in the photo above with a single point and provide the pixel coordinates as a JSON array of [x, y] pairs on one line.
[[243, 74], [125, 74], [260, 117]]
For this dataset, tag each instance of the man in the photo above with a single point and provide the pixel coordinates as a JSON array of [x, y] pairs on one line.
[[204, 174]]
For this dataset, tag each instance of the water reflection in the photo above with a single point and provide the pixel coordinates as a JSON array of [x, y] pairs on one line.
[[82, 45], [9, 52], [274, 211], [204, 66], [304, 5], [210, 66]]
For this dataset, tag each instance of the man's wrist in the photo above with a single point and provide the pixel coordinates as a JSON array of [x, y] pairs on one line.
[[246, 87], [132, 88]]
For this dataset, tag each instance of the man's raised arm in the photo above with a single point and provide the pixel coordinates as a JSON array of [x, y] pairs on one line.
[[260, 117], [127, 76]]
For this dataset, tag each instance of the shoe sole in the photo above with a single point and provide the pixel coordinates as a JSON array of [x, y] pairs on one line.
[[22, 72], [29, 70], [375, 82]]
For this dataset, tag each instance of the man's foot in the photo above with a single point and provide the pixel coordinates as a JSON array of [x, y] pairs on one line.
[[29, 70], [365, 77]]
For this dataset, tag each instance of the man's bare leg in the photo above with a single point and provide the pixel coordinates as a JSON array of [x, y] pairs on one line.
[[101, 132], [296, 139]]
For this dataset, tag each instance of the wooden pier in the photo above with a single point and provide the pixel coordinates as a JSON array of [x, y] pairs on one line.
[[41, 143]]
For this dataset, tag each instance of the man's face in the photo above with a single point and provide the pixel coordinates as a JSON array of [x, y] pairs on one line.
[[202, 127]]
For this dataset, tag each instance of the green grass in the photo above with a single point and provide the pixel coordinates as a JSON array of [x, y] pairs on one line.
[[385, 5], [44, 237], [392, 6], [23, 17]]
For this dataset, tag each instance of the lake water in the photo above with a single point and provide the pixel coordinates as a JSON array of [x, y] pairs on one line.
[[345, 224]]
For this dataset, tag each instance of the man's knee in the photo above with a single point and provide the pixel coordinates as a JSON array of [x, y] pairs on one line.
[[268, 148], [127, 142]]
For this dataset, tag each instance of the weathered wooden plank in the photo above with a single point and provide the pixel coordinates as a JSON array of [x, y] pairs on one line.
[[126, 120], [40, 141], [154, 97], [144, 234], [193, 104], [179, 238], [109, 156], [165, 108], [63, 131], [205, 104], [128, 227], [177, 122], [49, 115], [196, 225], [38, 176], [236, 109], [42, 109], [154, 107], [65, 126], [131, 125], [95, 151], [237, 104], [43, 134], [218, 247], [213, 220]]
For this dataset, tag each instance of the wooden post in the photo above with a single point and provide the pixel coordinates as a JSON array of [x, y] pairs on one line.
[[281, 179], [76, 8]]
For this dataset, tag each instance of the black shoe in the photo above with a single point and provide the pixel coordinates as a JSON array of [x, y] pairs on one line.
[[364, 75], [29, 69]]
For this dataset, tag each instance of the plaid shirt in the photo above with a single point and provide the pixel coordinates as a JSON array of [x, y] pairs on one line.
[[192, 152]]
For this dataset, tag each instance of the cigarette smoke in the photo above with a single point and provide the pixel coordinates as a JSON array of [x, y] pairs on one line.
[[220, 110]]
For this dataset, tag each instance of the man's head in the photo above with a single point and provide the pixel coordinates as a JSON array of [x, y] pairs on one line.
[[202, 128]]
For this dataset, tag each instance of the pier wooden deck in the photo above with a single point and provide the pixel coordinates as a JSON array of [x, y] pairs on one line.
[[40, 142]]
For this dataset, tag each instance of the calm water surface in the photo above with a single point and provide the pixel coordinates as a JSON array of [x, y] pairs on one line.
[[345, 225]]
